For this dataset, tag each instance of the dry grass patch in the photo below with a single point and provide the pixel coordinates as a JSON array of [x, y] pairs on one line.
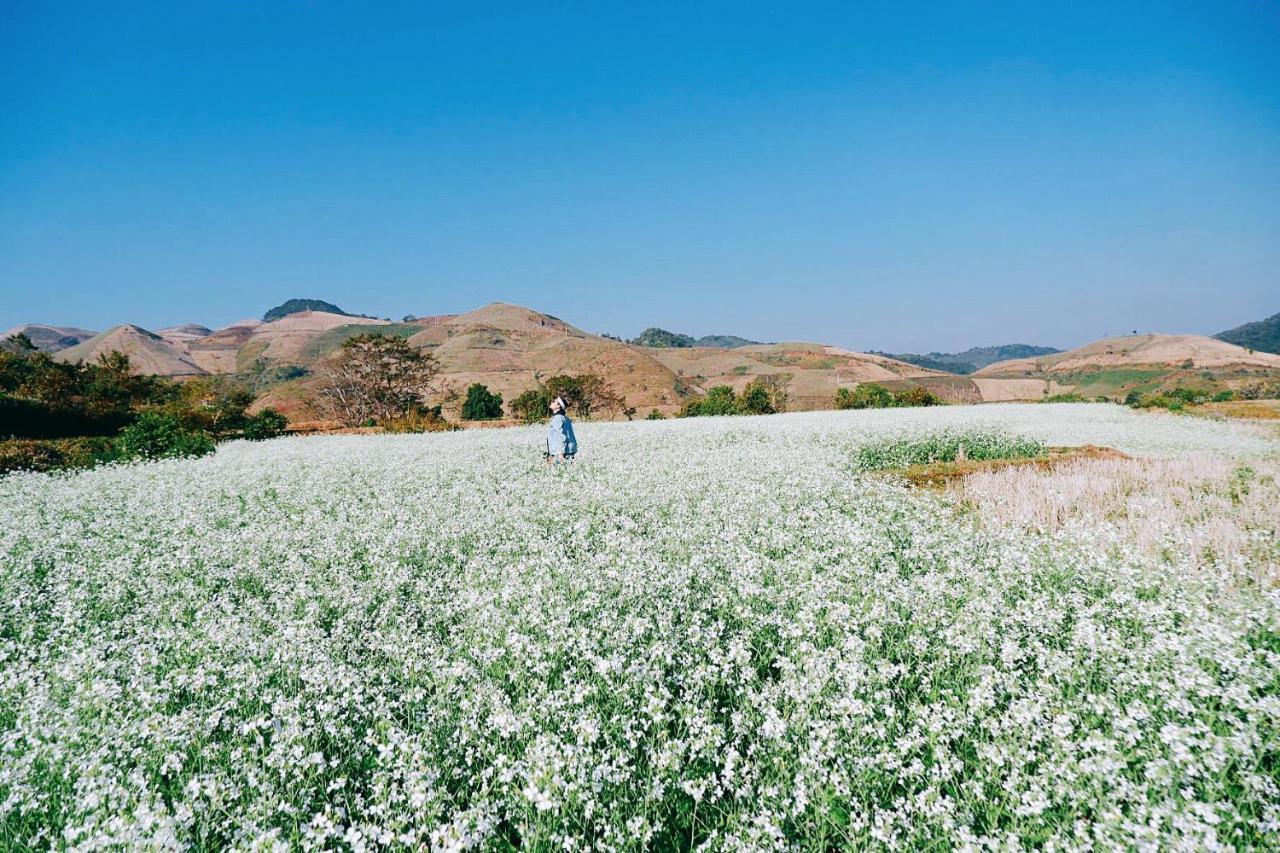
[[937, 475], [1267, 410]]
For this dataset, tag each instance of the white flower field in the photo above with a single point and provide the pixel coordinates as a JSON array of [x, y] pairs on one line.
[[709, 633]]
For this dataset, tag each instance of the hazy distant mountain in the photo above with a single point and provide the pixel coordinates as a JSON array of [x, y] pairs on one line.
[[661, 338], [972, 359], [1261, 335], [50, 338]]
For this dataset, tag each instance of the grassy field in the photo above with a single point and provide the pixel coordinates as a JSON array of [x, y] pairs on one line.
[[712, 631]]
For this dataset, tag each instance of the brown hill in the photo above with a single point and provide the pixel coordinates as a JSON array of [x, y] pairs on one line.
[[50, 338], [148, 352], [509, 348], [286, 340], [183, 332], [1191, 352]]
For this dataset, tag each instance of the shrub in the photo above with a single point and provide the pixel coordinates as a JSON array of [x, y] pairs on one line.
[[946, 447], [160, 436], [422, 419], [1133, 398], [531, 406], [868, 395], [51, 454], [916, 396], [719, 400], [1223, 397], [266, 424], [481, 404], [756, 400], [655, 415], [1069, 397]]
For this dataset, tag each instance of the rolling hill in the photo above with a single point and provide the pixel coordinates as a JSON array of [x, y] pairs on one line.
[[1261, 335], [972, 359], [1113, 366], [147, 351], [50, 338]]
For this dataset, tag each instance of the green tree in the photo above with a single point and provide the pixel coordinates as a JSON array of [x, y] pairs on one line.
[[756, 399], [916, 396], [266, 424], [481, 404], [531, 406]]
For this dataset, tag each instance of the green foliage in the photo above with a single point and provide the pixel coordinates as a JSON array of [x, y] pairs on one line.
[[946, 447], [24, 454], [1068, 397], [655, 415], [719, 400], [43, 398], [1263, 335], [756, 400], [661, 338], [266, 424], [586, 394], [481, 404], [160, 436], [868, 395], [1223, 397], [916, 396], [293, 306], [765, 395]]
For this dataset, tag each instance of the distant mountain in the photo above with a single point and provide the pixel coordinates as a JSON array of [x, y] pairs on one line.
[[293, 306], [1261, 335], [661, 338], [50, 338], [972, 359]]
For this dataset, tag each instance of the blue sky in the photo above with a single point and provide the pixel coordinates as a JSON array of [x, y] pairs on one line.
[[881, 176]]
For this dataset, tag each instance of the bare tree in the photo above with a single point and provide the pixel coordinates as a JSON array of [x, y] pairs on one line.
[[375, 377]]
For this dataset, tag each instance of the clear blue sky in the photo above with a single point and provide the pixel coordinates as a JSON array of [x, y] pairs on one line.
[[891, 176]]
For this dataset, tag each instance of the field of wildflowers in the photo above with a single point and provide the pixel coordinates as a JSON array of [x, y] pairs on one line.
[[713, 633]]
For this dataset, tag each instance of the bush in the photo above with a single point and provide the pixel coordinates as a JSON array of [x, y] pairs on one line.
[[422, 419], [916, 396], [51, 454], [655, 415], [160, 436], [1133, 398], [1069, 397], [946, 447], [1223, 397], [756, 400], [868, 395], [266, 424], [719, 400]]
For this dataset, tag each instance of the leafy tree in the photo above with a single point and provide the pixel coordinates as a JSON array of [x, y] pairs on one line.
[[215, 404], [756, 400], [586, 394], [375, 377], [481, 404], [159, 436], [266, 424], [531, 406]]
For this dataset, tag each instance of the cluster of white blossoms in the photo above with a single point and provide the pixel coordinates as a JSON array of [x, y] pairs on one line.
[[708, 633]]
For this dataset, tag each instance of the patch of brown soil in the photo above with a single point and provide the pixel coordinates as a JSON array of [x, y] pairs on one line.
[[938, 474]]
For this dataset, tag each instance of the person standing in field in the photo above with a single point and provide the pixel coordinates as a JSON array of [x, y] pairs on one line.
[[562, 444]]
